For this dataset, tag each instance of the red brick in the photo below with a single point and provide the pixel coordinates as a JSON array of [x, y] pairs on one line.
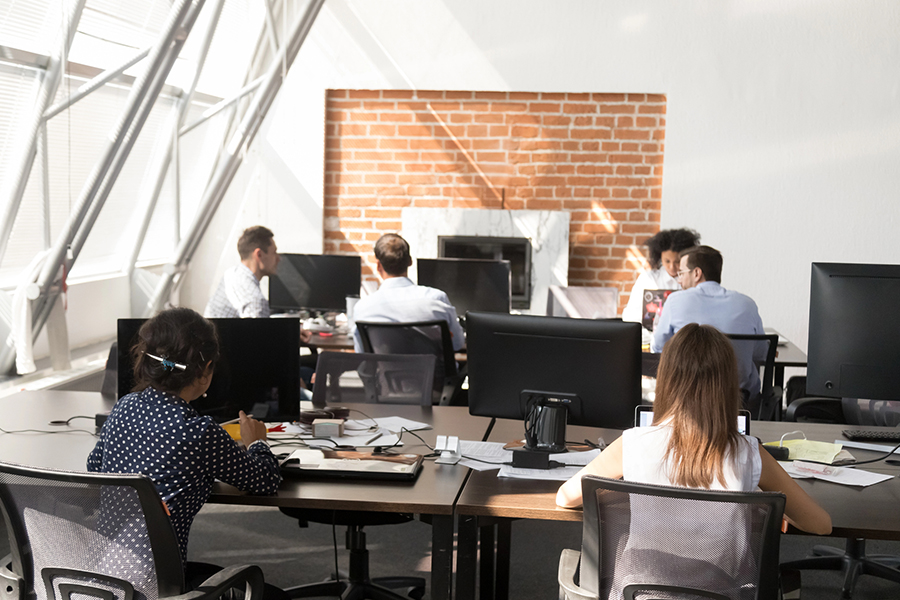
[[429, 95], [489, 118], [625, 158], [646, 122], [591, 134], [631, 147], [476, 131], [608, 97], [626, 109], [364, 94], [551, 120], [506, 107], [453, 95], [461, 118], [627, 134], [544, 107], [576, 108], [331, 94], [649, 109], [414, 131], [393, 144], [656, 98], [395, 117], [637, 97], [399, 94]]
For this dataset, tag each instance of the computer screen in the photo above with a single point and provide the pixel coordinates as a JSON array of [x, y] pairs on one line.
[[258, 369], [314, 282], [476, 285], [854, 349], [599, 362]]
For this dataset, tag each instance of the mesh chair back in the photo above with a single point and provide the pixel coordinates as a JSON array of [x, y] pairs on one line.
[[94, 535], [744, 346], [375, 378], [648, 541], [423, 337]]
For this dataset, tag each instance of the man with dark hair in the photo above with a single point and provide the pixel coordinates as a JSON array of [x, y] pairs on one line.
[[703, 300], [399, 300], [238, 294]]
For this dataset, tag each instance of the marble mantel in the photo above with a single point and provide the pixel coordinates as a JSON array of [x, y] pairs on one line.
[[547, 230]]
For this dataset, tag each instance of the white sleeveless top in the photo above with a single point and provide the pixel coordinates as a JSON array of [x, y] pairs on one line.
[[644, 460]]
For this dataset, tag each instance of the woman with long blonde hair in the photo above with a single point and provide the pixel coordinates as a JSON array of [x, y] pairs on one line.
[[694, 441]]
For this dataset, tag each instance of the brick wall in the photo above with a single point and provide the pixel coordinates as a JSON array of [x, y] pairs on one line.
[[597, 156]]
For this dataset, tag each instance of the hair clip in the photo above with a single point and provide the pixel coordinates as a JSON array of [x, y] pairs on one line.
[[167, 364]]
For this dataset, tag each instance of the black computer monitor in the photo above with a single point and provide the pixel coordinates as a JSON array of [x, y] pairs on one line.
[[258, 369], [854, 331], [317, 282], [596, 363], [471, 285]]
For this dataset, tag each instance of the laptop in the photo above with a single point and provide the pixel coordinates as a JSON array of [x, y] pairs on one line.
[[349, 464], [643, 417], [652, 306]]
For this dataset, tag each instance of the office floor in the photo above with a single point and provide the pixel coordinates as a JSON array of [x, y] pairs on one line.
[[290, 555]]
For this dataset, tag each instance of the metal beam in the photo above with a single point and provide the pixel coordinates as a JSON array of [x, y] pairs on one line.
[[232, 157], [95, 83], [48, 279], [11, 194], [219, 107], [161, 168], [134, 129]]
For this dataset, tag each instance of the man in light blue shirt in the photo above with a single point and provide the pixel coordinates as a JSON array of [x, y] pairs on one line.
[[399, 300], [703, 300]]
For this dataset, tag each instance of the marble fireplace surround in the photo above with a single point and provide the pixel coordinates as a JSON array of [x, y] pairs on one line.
[[547, 230]]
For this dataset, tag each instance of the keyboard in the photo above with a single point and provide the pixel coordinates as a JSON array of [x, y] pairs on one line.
[[891, 436]]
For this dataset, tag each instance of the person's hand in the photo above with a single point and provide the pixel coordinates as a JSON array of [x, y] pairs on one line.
[[251, 429], [305, 335]]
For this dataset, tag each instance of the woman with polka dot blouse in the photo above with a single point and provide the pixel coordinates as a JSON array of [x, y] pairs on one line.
[[154, 430]]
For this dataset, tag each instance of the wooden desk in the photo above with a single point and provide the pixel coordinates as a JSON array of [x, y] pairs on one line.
[[434, 493], [337, 341], [488, 500]]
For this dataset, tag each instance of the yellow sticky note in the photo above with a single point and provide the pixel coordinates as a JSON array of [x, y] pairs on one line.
[[234, 430]]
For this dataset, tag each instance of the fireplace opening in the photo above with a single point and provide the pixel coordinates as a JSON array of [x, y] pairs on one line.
[[516, 250]]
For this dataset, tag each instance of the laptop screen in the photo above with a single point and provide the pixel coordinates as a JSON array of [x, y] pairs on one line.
[[643, 417]]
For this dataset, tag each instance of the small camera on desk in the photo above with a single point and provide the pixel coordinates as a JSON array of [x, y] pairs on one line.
[[328, 427]]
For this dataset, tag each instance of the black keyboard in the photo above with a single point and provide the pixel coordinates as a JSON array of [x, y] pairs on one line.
[[891, 436]]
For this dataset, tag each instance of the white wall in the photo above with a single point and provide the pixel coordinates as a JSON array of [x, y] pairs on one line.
[[783, 124]]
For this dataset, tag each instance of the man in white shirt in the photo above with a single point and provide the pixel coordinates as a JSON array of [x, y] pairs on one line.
[[703, 300], [238, 294], [399, 300]]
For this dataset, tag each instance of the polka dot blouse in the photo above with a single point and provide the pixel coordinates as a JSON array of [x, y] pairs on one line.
[[159, 435]]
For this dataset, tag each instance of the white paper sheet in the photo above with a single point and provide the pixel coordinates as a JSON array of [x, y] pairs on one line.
[[488, 453], [842, 475]]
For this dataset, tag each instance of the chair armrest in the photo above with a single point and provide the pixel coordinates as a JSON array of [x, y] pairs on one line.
[[568, 567], [248, 576], [826, 410], [11, 585]]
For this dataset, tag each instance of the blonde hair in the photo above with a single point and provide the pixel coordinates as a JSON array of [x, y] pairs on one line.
[[697, 391]]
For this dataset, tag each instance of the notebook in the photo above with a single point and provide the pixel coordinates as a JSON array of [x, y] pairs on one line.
[[348, 464]]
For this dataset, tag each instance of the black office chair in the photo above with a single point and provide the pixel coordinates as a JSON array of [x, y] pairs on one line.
[[852, 560], [374, 378], [673, 543], [103, 536], [344, 377], [770, 395], [422, 337]]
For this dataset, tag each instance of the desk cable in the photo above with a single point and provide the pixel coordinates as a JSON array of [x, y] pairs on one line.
[[55, 423], [859, 462]]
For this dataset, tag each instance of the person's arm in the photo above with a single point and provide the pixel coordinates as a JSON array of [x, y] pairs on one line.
[[608, 464], [253, 470], [633, 311], [801, 510], [95, 458], [663, 330]]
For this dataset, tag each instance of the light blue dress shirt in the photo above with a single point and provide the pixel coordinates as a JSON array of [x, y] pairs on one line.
[[399, 300], [708, 303]]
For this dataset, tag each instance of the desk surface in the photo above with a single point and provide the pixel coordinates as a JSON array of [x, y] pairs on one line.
[[855, 512]]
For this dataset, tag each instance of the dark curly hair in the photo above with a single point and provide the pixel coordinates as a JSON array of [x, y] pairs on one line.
[[181, 336], [675, 240]]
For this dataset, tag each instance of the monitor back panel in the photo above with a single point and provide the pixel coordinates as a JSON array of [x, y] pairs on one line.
[[315, 282], [258, 369], [471, 285]]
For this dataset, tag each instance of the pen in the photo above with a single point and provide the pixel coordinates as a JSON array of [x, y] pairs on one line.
[[373, 439], [233, 421]]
